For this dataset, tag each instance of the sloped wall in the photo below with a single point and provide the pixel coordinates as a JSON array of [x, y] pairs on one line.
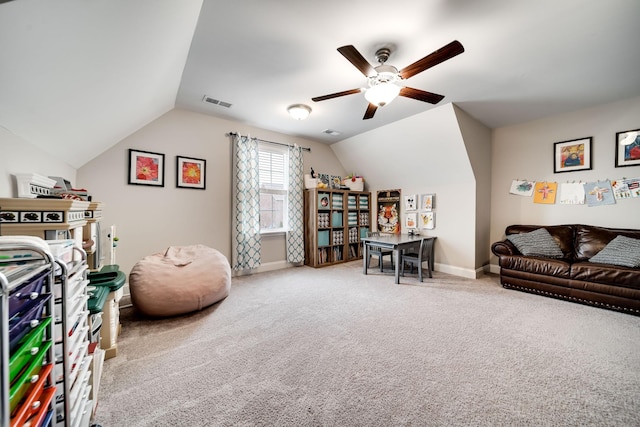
[[149, 219], [19, 156], [425, 153]]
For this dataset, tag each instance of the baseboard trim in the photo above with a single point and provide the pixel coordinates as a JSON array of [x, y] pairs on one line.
[[268, 266], [459, 271], [494, 268]]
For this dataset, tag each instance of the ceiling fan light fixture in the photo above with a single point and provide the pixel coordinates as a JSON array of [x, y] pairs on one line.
[[382, 94], [299, 111]]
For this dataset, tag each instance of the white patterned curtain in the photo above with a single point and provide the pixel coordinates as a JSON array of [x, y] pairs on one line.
[[246, 245], [295, 235]]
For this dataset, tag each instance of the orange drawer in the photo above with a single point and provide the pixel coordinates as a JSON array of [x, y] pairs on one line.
[[35, 410], [29, 377], [29, 406]]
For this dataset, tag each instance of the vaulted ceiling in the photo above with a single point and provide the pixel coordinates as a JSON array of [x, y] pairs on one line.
[[76, 76]]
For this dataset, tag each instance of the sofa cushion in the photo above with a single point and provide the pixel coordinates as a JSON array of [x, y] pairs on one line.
[[536, 243], [622, 250], [591, 239], [562, 234]]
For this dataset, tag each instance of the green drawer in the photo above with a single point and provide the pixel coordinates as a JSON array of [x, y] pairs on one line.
[[28, 377], [29, 348]]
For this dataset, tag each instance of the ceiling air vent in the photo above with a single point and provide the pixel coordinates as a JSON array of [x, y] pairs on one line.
[[216, 102], [331, 132]]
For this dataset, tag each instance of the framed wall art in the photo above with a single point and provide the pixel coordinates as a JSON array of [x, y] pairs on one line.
[[411, 221], [388, 202], [428, 220], [191, 172], [573, 155], [427, 202], [628, 148], [146, 168], [410, 202]]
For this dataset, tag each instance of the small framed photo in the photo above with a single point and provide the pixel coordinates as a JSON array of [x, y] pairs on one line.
[[428, 220], [427, 202], [411, 221], [410, 202], [146, 168], [574, 155], [336, 181], [191, 172], [628, 148]]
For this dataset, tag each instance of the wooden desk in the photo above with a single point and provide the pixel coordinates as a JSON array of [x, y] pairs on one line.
[[397, 242]]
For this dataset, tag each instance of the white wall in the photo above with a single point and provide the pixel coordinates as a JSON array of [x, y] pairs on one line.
[[525, 151], [150, 219], [477, 141], [19, 156], [425, 153]]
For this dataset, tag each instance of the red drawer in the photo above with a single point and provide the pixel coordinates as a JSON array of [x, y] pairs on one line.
[[34, 409]]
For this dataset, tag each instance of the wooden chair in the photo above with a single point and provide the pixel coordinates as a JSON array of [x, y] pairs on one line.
[[379, 252], [416, 259]]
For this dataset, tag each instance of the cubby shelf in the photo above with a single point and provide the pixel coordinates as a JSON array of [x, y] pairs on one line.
[[335, 221]]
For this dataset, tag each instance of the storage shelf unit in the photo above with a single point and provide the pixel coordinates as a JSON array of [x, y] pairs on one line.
[[72, 373], [335, 222], [27, 385]]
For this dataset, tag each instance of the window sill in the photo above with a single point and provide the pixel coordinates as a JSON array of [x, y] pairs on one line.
[[273, 232]]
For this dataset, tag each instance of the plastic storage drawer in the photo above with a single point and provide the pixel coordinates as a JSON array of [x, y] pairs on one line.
[[28, 349], [27, 292], [28, 379], [22, 323]]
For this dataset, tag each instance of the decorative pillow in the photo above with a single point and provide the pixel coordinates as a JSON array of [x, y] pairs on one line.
[[536, 243], [622, 250]]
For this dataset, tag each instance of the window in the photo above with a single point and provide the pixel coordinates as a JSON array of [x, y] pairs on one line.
[[274, 185]]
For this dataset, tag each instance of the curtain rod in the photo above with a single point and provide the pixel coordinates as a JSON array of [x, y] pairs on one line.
[[271, 142]]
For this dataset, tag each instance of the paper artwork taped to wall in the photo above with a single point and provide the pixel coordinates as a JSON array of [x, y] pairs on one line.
[[545, 192], [634, 186], [572, 193], [522, 187], [599, 193], [620, 189]]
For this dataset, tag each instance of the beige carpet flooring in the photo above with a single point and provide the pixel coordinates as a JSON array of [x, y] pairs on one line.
[[333, 347]]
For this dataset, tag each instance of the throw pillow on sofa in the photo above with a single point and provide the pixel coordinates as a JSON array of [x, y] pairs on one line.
[[536, 243], [622, 250]]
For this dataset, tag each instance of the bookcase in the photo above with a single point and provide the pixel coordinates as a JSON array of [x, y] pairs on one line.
[[335, 222]]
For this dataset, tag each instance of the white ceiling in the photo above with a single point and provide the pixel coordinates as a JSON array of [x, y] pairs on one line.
[[79, 76]]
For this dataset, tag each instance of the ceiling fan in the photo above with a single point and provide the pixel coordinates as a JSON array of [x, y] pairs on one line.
[[383, 80]]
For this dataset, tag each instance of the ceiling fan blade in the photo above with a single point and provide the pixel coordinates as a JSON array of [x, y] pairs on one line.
[[371, 110], [336, 95], [421, 95], [447, 52], [353, 56]]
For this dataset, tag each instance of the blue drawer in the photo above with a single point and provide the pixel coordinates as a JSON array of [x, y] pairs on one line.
[[25, 321]]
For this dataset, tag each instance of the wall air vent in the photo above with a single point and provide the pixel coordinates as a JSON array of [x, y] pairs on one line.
[[216, 102], [331, 132]]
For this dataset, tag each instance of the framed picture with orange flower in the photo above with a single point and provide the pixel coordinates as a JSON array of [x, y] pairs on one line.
[[191, 172], [574, 155], [146, 168]]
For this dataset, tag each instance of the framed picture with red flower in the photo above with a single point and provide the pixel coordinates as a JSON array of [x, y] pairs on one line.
[[191, 172], [146, 168]]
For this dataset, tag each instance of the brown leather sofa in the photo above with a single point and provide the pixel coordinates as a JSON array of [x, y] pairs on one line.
[[572, 277]]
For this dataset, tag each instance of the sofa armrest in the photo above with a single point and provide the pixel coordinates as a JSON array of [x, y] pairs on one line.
[[504, 248]]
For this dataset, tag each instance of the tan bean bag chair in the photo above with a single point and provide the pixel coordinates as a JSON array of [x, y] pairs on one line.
[[180, 280]]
